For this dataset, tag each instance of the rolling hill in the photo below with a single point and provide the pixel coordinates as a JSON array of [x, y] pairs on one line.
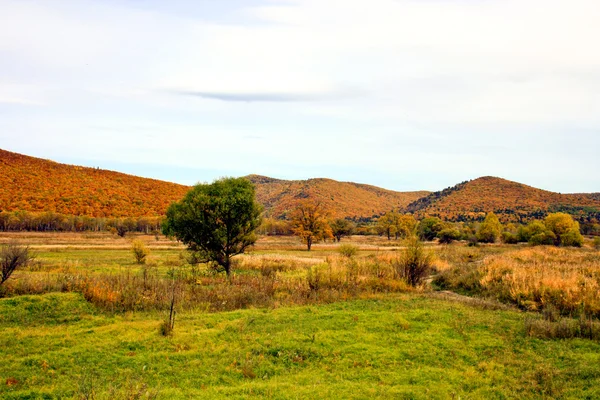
[[38, 185], [512, 201], [342, 199]]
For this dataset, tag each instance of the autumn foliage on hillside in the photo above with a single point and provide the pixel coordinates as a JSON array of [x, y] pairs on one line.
[[342, 199], [37, 185], [511, 201]]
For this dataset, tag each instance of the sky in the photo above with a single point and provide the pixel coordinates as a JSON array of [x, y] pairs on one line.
[[402, 94]]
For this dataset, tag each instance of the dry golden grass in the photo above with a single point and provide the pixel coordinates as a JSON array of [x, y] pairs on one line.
[[540, 277]]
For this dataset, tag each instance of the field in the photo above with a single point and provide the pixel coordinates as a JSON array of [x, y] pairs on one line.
[[83, 321]]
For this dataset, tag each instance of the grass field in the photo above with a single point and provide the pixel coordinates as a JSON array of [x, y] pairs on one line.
[[351, 339]]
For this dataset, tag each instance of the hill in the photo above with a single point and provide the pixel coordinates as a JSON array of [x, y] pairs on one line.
[[512, 201], [38, 185], [343, 199]]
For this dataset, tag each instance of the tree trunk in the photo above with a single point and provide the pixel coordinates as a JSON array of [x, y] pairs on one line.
[[227, 267], [309, 243]]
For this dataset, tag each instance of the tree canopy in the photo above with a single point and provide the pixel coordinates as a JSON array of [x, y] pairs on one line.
[[216, 220], [309, 221], [490, 229]]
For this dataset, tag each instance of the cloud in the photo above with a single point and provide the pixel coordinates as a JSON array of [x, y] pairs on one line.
[[394, 87], [274, 97]]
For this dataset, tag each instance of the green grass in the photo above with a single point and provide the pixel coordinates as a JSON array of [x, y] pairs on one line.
[[403, 346]]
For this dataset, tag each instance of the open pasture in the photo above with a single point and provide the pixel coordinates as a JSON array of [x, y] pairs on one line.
[[83, 322]]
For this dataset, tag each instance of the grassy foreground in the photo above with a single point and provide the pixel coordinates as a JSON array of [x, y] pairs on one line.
[[404, 346]]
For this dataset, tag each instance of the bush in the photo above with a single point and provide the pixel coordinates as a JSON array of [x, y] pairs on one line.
[[140, 251], [490, 229], [348, 250], [12, 257], [415, 263], [472, 241], [448, 235], [429, 227], [510, 238], [542, 238], [596, 243], [572, 238]]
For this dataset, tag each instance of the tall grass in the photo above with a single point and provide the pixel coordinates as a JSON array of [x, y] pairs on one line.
[[259, 281]]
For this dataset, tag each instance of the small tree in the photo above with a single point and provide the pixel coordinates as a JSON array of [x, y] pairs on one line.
[[341, 227], [12, 257], [309, 221], [216, 220], [396, 224], [140, 251], [429, 227], [448, 235], [490, 229]]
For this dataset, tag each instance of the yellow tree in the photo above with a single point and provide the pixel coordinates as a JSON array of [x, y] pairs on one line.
[[565, 228], [394, 223], [309, 222]]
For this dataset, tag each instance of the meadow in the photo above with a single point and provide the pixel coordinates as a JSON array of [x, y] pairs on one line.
[[84, 321]]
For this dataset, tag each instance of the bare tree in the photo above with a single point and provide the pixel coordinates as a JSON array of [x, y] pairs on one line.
[[13, 256]]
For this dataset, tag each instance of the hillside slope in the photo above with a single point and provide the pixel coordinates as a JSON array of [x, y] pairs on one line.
[[38, 185], [35, 185], [512, 201], [342, 199]]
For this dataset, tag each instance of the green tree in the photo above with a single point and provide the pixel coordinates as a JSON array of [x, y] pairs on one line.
[[490, 229], [536, 234], [341, 227], [309, 221], [216, 220], [565, 228], [429, 227], [448, 235]]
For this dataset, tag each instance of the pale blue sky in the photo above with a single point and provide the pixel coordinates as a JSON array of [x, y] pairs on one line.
[[402, 94]]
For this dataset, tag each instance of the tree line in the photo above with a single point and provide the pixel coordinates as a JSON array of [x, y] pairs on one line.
[[11, 221]]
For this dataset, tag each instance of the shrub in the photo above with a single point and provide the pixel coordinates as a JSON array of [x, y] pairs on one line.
[[429, 227], [13, 256], [510, 238], [490, 229], [596, 243], [448, 235], [414, 263], [472, 241], [542, 238], [572, 238], [348, 250], [140, 251]]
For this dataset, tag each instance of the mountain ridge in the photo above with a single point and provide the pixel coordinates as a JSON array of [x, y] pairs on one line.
[[39, 185]]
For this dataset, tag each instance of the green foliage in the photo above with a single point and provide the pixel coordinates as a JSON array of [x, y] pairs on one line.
[[565, 229], [429, 228], [448, 235], [217, 220], [341, 227], [12, 257], [490, 229], [348, 250], [140, 251], [510, 238], [596, 243], [545, 237]]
